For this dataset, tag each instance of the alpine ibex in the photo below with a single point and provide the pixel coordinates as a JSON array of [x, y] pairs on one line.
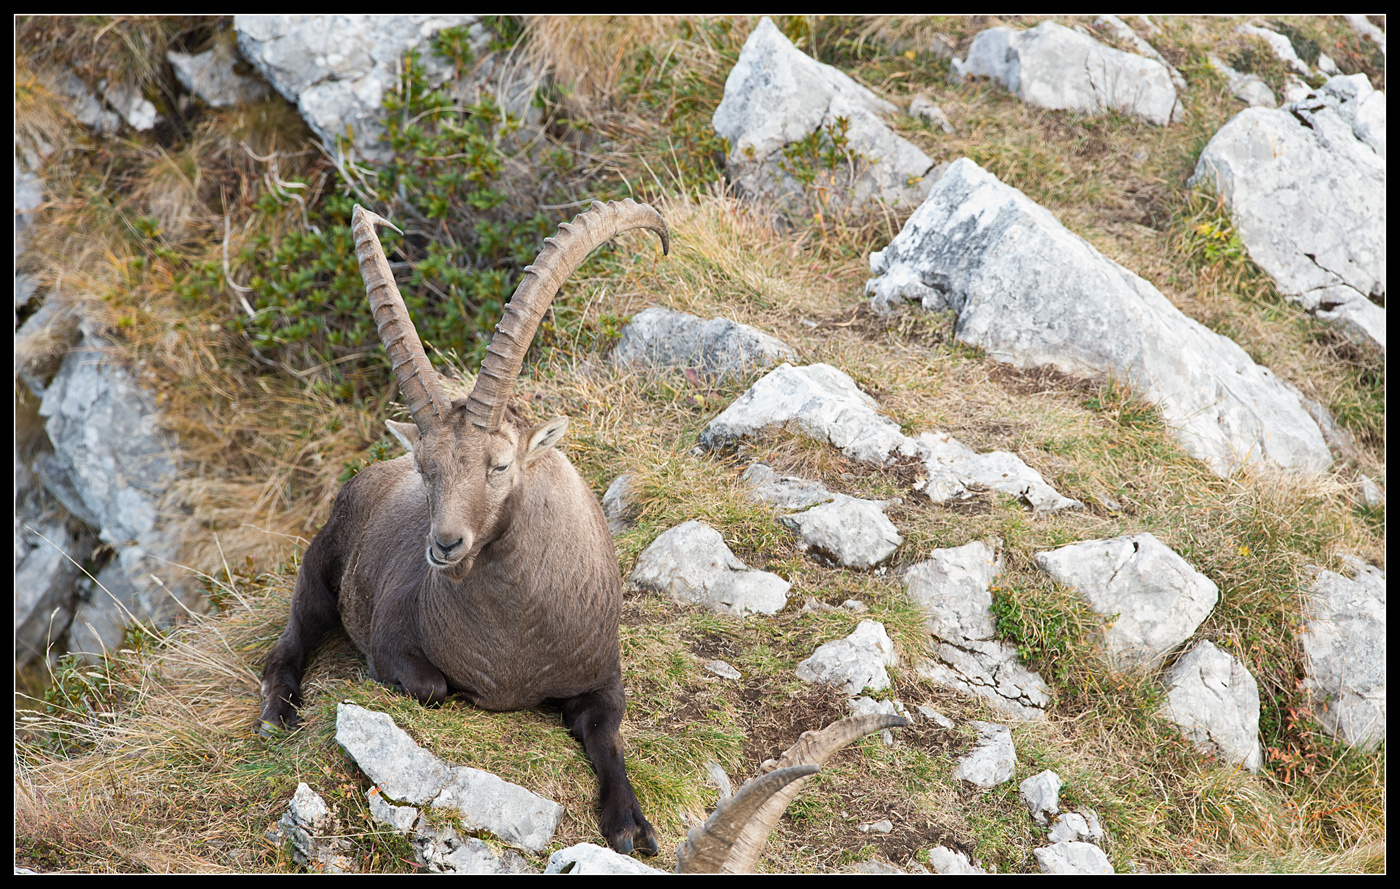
[[517, 601]]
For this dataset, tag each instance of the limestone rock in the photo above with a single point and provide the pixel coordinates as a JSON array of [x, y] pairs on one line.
[[1215, 700], [1051, 66], [1072, 858], [337, 68], [946, 861], [718, 348], [993, 759], [1154, 599], [826, 404], [690, 564], [1079, 312], [1042, 795], [210, 75], [406, 773], [952, 588], [586, 859], [1344, 643], [1305, 186], [777, 99], [855, 663]]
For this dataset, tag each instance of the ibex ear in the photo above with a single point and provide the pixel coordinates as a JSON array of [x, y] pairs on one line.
[[404, 432], [544, 437]]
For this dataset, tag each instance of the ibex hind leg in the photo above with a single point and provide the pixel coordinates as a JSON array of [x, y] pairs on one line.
[[594, 719], [314, 612]]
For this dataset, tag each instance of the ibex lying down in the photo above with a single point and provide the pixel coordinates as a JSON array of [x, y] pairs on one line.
[[517, 601]]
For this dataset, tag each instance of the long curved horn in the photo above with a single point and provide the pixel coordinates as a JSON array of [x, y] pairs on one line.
[[418, 382], [560, 256], [722, 849], [707, 845]]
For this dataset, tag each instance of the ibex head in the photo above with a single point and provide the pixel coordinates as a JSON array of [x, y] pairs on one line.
[[470, 460]]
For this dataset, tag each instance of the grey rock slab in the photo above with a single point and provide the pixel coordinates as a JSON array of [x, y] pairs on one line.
[[690, 564], [1305, 186], [1122, 31], [783, 491], [1073, 827], [1153, 597], [826, 404], [1344, 647], [134, 108], [49, 548], [717, 348], [1248, 88], [1042, 795], [111, 467], [923, 107], [404, 771], [407, 773], [992, 760], [1279, 45], [775, 95], [1032, 294], [722, 669], [1072, 858], [1215, 701], [991, 671], [1051, 66], [311, 829], [444, 851], [586, 859], [483, 801], [852, 531], [210, 75], [398, 818], [855, 663], [952, 588], [337, 68], [946, 861]]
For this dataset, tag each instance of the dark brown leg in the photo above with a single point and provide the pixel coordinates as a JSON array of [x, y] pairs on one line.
[[314, 612], [594, 719]]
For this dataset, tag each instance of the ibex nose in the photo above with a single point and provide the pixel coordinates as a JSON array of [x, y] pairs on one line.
[[447, 548]]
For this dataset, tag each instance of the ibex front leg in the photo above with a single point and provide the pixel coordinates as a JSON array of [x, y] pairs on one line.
[[594, 719]]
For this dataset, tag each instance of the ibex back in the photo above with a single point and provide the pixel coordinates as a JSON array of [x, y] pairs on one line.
[[480, 564]]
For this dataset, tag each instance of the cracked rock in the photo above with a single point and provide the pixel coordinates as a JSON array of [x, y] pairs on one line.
[[826, 404], [1084, 315], [1215, 700], [1305, 186], [1152, 598], [690, 564], [855, 663], [952, 587]]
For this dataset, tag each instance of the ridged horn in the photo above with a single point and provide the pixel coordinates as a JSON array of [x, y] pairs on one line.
[[418, 382], [561, 255], [707, 846], [733, 846]]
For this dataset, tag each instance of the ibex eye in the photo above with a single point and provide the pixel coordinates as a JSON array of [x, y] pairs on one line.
[[502, 468]]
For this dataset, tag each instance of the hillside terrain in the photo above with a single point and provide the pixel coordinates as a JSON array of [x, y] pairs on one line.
[[202, 260]]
